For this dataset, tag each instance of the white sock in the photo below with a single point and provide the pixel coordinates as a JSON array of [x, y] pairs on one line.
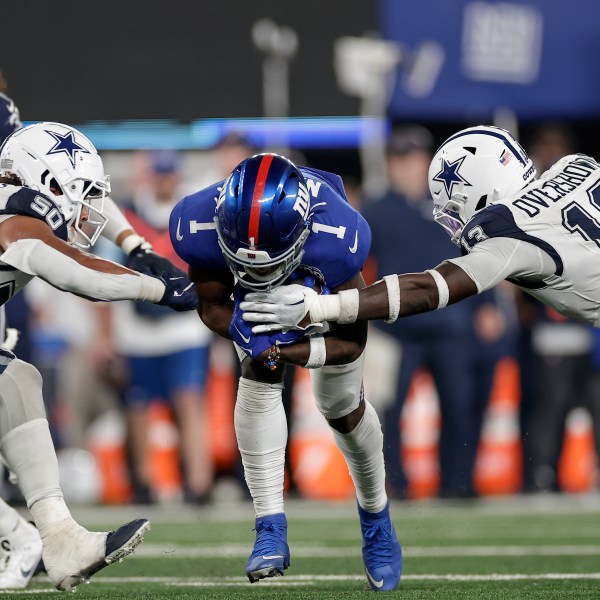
[[363, 450], [261, 431], [9, 519], [29, 453], [51, 514]]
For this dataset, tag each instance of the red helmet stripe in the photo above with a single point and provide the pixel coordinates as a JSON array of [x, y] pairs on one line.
[[257, 196]]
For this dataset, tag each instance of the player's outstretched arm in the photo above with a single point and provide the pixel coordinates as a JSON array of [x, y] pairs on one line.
[[30, 246], [395, 296]]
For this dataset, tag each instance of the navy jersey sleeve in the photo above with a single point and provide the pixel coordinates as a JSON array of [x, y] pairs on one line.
[[192, 229], [29, 203], [340, 238], [9, 117]]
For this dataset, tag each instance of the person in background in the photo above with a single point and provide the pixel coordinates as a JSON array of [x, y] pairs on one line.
[[166, 353], [446, 343]]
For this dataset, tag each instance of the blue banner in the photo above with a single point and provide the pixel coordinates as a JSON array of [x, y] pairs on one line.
[[463, 59]]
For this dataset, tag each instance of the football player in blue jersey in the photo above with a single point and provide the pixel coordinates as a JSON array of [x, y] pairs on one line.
[[270, 222], [541, 234], [52, 193]]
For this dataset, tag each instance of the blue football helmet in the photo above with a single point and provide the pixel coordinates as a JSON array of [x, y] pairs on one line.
[[263, 220]]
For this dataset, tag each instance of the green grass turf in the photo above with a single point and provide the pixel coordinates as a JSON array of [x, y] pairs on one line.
[[505, 548]]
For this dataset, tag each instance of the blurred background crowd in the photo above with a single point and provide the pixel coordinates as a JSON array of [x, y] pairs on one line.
[[495, 395]]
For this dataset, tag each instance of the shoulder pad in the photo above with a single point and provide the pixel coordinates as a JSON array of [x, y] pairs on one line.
[[29, 203]]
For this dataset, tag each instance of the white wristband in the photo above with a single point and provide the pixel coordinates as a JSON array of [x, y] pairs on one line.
[[348, 306], [318, 352], [393, 291], [151, 288], [442, 288], [131, 241]]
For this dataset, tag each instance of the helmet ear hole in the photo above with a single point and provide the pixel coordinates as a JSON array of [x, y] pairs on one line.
[[54, 187], [481, 203], [471, 149]]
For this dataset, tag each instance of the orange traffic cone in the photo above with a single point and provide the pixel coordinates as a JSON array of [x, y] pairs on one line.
[[420, 428], [163, 452], [578, 464], [106, 441], [499, 459], [220, 398]]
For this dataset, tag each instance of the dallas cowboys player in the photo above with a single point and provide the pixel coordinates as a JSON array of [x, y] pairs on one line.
[[541, 234], [52, 191], [267, 221], [20, 543]]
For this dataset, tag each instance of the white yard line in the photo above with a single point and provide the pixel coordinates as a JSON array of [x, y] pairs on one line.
[[303, 580], [241, 550]]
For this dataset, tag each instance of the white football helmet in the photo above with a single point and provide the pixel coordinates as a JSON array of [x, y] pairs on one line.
[[62, 163], [472, 169]]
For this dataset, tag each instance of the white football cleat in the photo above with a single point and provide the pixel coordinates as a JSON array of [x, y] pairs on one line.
[[20, 554], [73, 555]]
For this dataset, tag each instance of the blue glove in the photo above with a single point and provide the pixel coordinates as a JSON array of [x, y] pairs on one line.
[[180, 292], [254, 344]]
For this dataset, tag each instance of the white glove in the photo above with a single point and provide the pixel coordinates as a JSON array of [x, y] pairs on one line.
[[282, 308]]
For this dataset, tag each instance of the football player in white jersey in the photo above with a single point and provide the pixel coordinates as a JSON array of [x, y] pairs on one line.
[[541, 234], [53, 194]]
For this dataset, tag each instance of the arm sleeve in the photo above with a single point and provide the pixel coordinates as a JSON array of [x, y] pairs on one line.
[[493, 260], [34, 257], [116, 220]]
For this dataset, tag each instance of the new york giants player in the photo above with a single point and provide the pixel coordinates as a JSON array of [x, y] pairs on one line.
[[52, 191], [267, 222], [541, 234]]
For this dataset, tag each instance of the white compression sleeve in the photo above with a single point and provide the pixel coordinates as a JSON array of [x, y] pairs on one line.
[[34, 257], [363, 451], [116, 221], [261, 431]]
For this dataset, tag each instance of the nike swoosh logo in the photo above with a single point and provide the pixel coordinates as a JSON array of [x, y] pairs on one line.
[[354, 247], [247, 340], [373, 581], [178, 234], [178, 294], [276, 556]]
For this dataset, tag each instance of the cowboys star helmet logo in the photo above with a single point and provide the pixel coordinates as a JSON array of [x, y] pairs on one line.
[[449, 174], [66, 144]]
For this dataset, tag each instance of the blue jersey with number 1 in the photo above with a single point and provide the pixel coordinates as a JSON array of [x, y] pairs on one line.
[[335, 250]]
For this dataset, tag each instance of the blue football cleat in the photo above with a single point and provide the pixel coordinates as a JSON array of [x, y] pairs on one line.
[[381, 550], [271, 553]]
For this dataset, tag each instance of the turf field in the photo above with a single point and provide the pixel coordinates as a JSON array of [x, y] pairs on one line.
[[520, 547]]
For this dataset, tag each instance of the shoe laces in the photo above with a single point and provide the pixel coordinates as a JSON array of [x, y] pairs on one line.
[[268, 537], [378, 544]]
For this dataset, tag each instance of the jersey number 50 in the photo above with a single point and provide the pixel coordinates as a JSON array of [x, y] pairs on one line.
[[43, 207]]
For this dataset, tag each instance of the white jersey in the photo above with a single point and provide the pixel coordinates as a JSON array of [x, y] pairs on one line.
[[552, 227], [16, 200]]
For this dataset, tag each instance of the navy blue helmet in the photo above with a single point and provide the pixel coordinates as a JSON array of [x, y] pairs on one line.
[[263, 220]]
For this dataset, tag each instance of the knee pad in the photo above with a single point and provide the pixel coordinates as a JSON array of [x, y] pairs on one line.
[[338, 389], [21, 398]]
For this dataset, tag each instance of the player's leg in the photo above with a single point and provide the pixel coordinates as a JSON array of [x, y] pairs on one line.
[[357, 431], [186, 373], [70, 552], [261, 431], [20, 548]]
